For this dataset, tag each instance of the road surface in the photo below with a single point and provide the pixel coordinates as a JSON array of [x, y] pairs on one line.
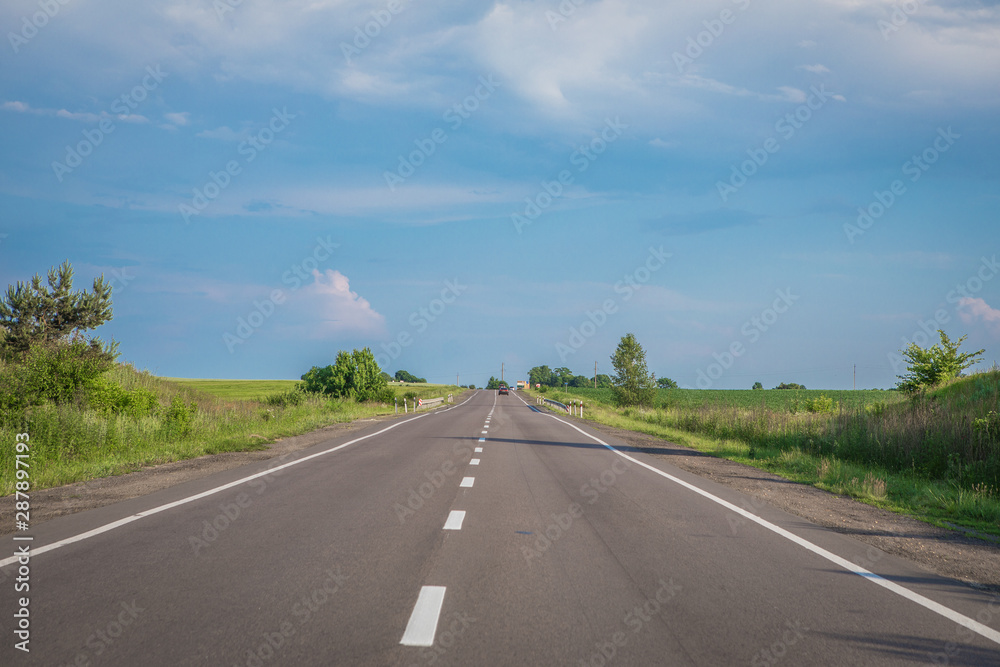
[[488, 533]]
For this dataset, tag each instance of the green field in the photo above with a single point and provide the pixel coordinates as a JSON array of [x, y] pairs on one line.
[[791, 400], [237, 389], [256, 390]]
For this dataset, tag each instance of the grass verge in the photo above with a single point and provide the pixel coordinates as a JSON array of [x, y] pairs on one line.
[[73, 442]]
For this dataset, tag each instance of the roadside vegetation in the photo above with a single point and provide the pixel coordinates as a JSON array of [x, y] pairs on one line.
[[90, 416], [929, 450]]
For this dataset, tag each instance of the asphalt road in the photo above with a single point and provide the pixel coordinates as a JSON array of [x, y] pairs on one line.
[[569, 552]]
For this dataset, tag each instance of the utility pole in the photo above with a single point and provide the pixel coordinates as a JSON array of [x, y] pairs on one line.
[[501, 371], [456, 380], [855, 377], [595, 375]]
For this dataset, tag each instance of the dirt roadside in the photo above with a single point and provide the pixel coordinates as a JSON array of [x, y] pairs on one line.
[[944, 552]]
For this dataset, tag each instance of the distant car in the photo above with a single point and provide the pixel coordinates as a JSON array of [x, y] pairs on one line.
[[503, 390]]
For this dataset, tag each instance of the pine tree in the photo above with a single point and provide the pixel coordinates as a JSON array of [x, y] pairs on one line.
[[32, 313]]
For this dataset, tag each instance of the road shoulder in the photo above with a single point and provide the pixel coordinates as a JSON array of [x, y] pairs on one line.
[[59, 501], [944, 552]]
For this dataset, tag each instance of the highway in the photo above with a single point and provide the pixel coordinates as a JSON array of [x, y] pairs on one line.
[[487, 533]]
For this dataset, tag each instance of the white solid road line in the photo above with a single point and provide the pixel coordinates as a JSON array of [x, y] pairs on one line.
[[474, 462], [455, 519], [479, 449], [156, 510], [423, 622], [467, 482], [927, 603]]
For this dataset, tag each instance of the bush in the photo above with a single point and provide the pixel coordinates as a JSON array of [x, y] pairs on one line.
[[106, 396], [285, 398], [820, 404], [56, 372], [179, 417], [988, 427]]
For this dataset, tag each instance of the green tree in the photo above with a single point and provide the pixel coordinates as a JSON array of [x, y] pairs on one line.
[[493, 383], [406, 376], [603, 381], [757, 385], [666, 383], [790, 385], [353, 374], [540, 375], [561, 376], [938, 363], [32, 312], [633, 385]]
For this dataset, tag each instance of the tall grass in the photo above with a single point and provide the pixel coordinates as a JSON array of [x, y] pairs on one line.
[[936, 454], [72, 442]]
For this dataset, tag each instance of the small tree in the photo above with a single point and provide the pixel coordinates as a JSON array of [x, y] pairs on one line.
[[938, 363], [33, 313], [493, 383], [633, 385], [666, 383], [354, 374], [757, 385]]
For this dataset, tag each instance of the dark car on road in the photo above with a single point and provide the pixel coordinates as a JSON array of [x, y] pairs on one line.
[[503, 390]]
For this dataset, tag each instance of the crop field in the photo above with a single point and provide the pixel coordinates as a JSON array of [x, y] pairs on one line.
[[254, 390], [777, 400], [237, 390]]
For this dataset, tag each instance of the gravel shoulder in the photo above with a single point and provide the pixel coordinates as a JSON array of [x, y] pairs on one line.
[[944, 552]]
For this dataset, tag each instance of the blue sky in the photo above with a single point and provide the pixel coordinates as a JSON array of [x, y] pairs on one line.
[[464, 185]]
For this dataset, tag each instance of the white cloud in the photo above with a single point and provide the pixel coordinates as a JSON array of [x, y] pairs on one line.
[[815, 69], [336, 310], [85, 116], [972, 310], [179, 119], [223, 133], [660, 143]]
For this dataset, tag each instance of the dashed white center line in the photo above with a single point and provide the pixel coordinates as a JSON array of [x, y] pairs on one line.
[[455, 519], [467, 482], [478, 449], [485, 432], [423, 623], [474, 462]]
